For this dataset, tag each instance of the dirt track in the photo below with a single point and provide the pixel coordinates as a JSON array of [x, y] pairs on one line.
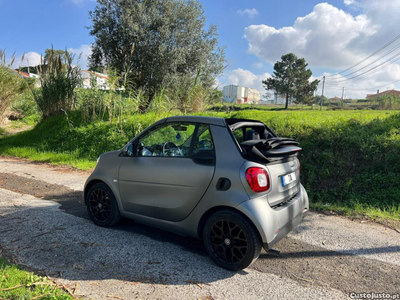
[[44, 226]]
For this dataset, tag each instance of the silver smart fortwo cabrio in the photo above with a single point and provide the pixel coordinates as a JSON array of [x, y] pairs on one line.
[[231, 182]]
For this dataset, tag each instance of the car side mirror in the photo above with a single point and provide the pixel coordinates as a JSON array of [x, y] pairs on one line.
[[127, 150]]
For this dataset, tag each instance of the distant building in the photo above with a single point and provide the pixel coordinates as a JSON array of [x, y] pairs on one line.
[[29, 75], [100, 79], [272, 97], [335, 99], [385, 93], [239, 94]]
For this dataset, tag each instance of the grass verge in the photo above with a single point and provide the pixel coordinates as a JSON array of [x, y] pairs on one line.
[[18, 284]]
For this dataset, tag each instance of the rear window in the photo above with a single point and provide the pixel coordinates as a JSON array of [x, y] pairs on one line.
[[251, 133]]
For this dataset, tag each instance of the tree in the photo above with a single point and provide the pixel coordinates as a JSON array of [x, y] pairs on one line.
[[319, 99], [51, 53], [291, 78], [155, 43]]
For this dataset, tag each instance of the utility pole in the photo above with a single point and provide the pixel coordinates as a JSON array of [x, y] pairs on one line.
[[342, 96], [322, 96]]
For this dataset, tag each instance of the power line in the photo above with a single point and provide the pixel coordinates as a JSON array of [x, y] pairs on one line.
[[386, 54], [391, 60], [368, 89], [377, 87], [368, 57]]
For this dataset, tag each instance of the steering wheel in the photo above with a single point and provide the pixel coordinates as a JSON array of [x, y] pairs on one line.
[[170, 148]]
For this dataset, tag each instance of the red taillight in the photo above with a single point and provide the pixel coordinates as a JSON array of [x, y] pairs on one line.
[[299, 165], [258, 179]]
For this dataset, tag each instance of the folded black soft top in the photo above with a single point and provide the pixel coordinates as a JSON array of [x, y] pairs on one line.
[[270, 150]]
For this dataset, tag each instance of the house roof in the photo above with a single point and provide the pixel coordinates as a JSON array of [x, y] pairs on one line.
[[100, 75], [22, 74], [388, 92]]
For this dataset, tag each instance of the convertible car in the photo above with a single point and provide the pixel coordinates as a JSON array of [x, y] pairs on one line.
[[230, 182]]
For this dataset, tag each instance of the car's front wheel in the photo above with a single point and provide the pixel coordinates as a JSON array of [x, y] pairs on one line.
[[231, 240], [102, 206]]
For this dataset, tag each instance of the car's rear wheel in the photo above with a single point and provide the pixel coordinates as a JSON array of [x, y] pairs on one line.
[[102, 206], [231, 240]]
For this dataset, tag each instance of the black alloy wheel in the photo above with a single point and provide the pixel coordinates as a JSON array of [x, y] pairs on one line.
[[231, 240], [228, 241], [102, 206]]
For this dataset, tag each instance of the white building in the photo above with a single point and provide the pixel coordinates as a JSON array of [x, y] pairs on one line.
[[239, 94], [100, 79]]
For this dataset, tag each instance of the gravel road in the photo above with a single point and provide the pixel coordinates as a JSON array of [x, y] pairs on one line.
[[44, 227]]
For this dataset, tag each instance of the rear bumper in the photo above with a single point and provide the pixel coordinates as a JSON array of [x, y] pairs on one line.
[[274, 223]]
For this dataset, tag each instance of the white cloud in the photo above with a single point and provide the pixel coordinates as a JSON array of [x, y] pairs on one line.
[[33, 58], [248, 79], [329, 37], [28, 59], [322, 37], [250, 12], [81, 55], [349, 2], [257, 65]]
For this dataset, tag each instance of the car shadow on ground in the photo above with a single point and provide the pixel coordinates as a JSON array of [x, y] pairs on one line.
[[311, 254], [63, 246], [72, 203]]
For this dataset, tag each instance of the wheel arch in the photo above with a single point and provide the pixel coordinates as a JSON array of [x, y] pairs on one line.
[[215, 209], [89, 185]]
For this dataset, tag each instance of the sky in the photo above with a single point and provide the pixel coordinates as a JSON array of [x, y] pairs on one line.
[[332, 36]]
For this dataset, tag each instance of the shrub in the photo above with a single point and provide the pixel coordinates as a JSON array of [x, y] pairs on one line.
[[11, 84], [389, 102], [24, 105], [59, 79]]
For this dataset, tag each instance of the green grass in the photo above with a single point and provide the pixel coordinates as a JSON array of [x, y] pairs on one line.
[[2, 132], [68, 140], [18, 284], [350, 159], [26, 121]]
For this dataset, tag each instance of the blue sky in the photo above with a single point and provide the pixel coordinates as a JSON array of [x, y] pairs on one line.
[[330, 35]]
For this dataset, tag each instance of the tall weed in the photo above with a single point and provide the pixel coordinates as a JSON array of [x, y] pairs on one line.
[[11, 84], [59, 78]]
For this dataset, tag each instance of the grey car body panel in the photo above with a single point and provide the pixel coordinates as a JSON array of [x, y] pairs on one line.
[[274, 223], [107, 171], [149, 186], [271, 222]]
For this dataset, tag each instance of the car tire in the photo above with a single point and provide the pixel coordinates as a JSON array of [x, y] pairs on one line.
[[102, 205], [231, 240]]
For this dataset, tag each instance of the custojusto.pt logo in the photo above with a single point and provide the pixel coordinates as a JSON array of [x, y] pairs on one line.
[[374, 296]]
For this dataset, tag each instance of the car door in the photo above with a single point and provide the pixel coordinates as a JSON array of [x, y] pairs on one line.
[[168, 171]]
